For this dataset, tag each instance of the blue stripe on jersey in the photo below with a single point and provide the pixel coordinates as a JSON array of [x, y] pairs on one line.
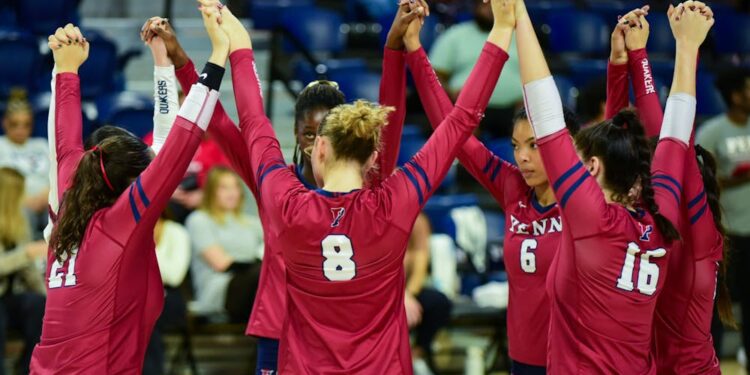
[[133, 206], [489, 164], [421, 171], [697, 199], [267, 171], [142, 192], [698, 214], [260, 169], [668, 178], [496, 171], [573, 187], [416, 184], [566, 175], [669, 188]]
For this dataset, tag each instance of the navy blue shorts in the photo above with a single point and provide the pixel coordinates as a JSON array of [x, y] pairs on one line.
[[268, 355], [518, 368]]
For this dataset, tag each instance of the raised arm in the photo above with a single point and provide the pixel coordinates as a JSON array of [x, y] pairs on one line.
[[617, 71], [690, 28], [393, 88], [577, 193], [617, 68], [221, 129], [644, 86], [419, 178], [148, 195], [52, 198], [70, 51], [165, 93], [499, 177]]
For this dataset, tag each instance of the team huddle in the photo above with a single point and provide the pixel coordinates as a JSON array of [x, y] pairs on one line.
[[613, 244]]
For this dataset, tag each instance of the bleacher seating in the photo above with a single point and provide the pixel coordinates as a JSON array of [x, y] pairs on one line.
[[20, 62], [578, 32], [266, 14], [43, 17]]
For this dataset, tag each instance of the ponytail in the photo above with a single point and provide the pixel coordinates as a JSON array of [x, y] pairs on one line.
[[103, 173], [622, 145], [707, 166]]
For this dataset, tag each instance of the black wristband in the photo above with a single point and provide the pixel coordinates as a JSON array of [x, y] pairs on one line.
[[238, 267], [211, 76]]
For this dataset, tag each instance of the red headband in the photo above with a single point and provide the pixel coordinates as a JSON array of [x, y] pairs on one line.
[[101, 166]]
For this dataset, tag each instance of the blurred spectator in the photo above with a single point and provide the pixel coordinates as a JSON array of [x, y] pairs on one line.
[[727, 136], [591, 102], [21, 285], [427, 310], [453, 56], [28, 155], [189, 195], [227, 248], [173, 255]]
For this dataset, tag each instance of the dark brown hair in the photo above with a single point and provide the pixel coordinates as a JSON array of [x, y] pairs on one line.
[[707, 166], [124, 158], [622, 146]]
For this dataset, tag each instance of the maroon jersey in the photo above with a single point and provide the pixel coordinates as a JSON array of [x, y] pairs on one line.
[[684, 311], [610, 268], [344, 251], [269, 310], [103, 301], [532, 232]]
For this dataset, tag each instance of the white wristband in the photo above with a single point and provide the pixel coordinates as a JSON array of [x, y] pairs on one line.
[[679, 117], [544, 107], [199, 105]]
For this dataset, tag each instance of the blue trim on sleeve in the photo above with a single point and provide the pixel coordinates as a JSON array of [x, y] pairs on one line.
[[267, 171], [496, 171], [697, 199], [416, 184], [566, 175], [142, 192], [694, 218], [669, 188], [133, 206], [668, 178], [421, 171], [489, 164], [574, 187]]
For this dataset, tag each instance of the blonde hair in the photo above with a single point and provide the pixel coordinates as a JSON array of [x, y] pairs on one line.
[[354, 129], [14, 228], [209, 204], [18, 102]]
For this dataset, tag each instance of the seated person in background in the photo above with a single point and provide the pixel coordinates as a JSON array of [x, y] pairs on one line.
[[227, 248], [27, 155], [173, 256], [21, 284], [427, 310], [453, 56]]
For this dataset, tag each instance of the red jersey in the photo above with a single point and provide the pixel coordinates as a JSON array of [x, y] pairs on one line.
[[684, 311], [602, 299], [532, 233], [269, 310], [206, 157], [103, 301], [344, 251]]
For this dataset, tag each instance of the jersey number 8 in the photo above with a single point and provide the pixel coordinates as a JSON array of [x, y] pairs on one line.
[[338, 264], [648, 273]]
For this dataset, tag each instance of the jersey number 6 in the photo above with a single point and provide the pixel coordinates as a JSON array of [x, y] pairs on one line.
[[528, 258], [648, 273], [338, 264], [56, 278]]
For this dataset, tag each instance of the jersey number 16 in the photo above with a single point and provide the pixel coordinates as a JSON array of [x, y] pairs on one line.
[[648, 273]]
